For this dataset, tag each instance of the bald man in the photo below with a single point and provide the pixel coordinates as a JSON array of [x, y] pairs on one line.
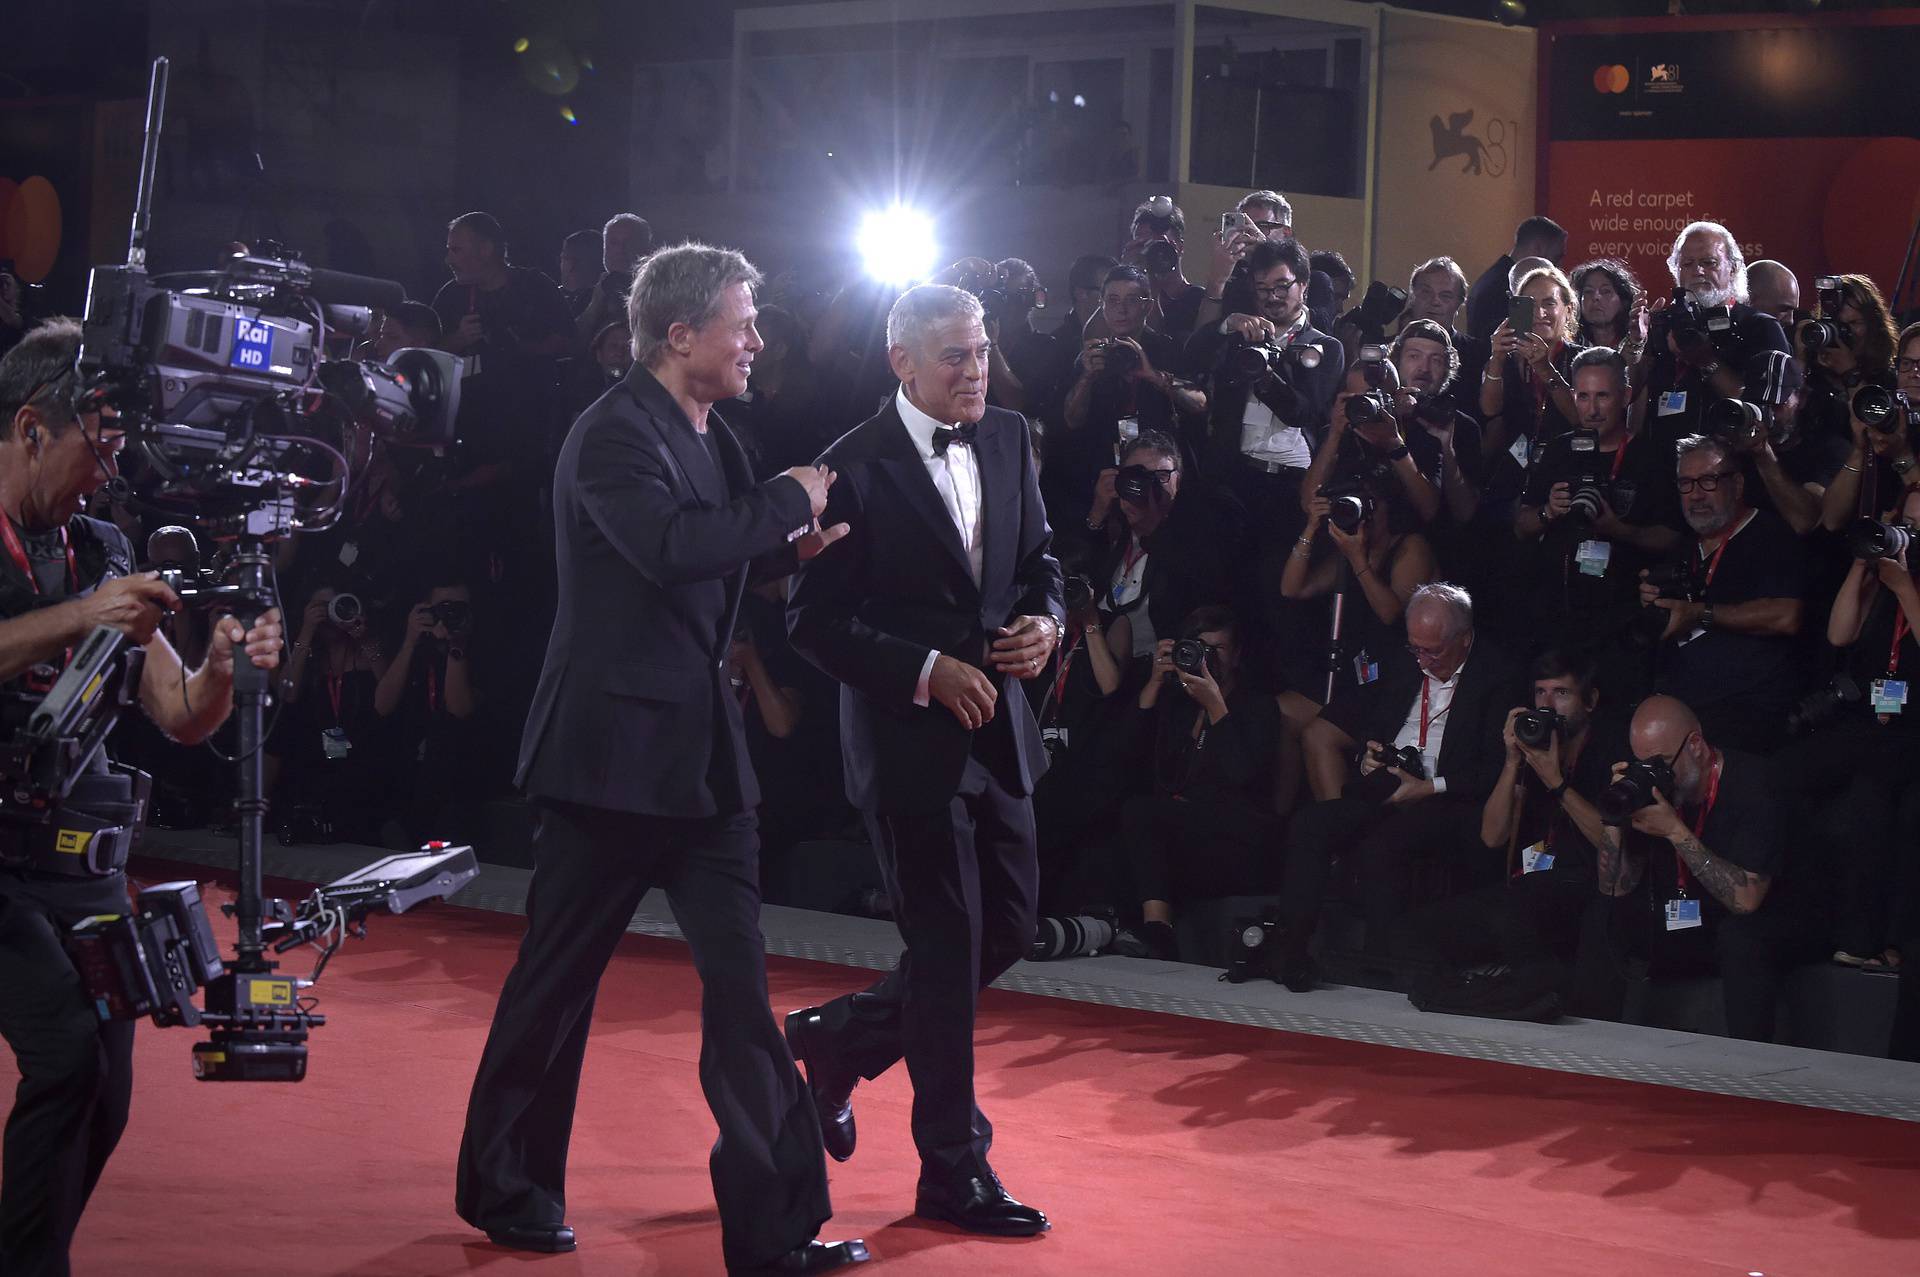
[[1710, 893], [1773, 290]]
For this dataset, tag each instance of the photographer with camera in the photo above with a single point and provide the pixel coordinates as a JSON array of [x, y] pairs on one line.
[[1545, 923], [1443, 438], [1882, 461], [1789, 459], [1734, 603], [1701, 340], [1273, 378], [428, 692], [624, 240], [1208, 828], [1175, 297], [1031, 357], [332, 757], [1600, 505], [1383, 565], [1123, 384], [1849, 776], [63, 576], [1710, 898], [1400, 766], [1364, 439]]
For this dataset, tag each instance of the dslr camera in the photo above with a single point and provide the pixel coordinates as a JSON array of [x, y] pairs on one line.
[[1735, 422], [1136, 484], [1693, 327], [1828, 330], [1673, 580], [1885, 409], [997, 300], [1588, 491], [1536, 728], [1871, 539], [1379, 785], [1121, 358], [1635, 789], [1381, 305], [1350, 503], [1076, 593], [1194, 656], [1249, 361]]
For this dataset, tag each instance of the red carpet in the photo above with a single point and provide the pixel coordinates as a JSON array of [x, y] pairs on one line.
[[1159, 1146]]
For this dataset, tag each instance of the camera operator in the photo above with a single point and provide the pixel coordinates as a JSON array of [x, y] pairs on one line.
[[1031, 356], [1539, 237], [1710, 897], [625, 239], [1847, 775], [1525, 397], [1698, 349], [1426, 738], [1265, 424], [1155, 555], [1546, 919], [1364, 439], [1123, 384], [1612, 308], [408, 324], [1884, 451], [64, 575], [1600, 505], [1207, 829], [1728, 642]]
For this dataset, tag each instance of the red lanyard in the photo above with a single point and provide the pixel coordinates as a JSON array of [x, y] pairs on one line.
[[1900, 631], [433, 689], [1620, 455], [1715, 565], [1700, 822], [20, 559], [334, 682]]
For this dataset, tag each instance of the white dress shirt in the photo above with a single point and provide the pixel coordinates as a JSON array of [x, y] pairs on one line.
[[1438, 697], [1263, 436], [956, 477]]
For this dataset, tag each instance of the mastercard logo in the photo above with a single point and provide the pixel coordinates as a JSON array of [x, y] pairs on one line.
[[30, 226], [1611, 79]]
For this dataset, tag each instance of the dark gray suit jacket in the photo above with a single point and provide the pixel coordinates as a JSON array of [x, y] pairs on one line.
[[633, 703]]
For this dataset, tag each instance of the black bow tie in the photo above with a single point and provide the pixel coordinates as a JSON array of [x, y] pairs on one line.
[[942, 436]]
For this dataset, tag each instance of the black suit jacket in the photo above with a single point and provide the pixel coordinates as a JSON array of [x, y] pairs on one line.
[[1227, 396], [867, 610], [633, 711], [1472, 750]]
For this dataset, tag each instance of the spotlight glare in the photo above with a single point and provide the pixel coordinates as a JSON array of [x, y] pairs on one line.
[[522, 45], [896, 244], [566, 113], [1079, 100], [1510, 13]]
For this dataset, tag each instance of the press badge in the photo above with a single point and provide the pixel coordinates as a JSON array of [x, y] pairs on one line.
[[1593, 556], [334, 743], [1365, 669], [1889, 695], [1521, 451], [1682, 914], [349, 554], [1672, 402], [1536, 859]]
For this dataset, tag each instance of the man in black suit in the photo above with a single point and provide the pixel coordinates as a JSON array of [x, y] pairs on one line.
[[634, 755], [1446, 697], [944, 593]]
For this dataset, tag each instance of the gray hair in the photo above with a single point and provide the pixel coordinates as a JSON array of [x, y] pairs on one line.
[[681, 285], [1283, 211], [1738, 259], [1701, 443], [922, 309], [1444, 594], [39, 370]]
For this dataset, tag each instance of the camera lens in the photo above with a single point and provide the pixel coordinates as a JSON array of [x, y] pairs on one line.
[[344, 609], [1536, 727], [1077, 593], [1872, 539], [1189, 656]]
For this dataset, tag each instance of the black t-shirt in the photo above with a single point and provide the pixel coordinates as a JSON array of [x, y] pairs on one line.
[[101, 552], [1746, 826], [1487, 299], [1545, 820], [529, 307], [1035, 359], [1638, 482], [1113, 398], [1181, 316], [1764, 560], [1429, 458]]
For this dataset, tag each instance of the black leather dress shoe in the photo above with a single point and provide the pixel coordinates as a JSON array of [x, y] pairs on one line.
[[978, 1204], [1299, 973], [830, 1083], [814, 1257], [551, 1239]]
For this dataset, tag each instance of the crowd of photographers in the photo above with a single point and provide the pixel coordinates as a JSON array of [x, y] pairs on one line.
[[1517, 637]]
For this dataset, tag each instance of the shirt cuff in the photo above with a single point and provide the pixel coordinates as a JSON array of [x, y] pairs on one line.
[[1439, 784], [921, 696]]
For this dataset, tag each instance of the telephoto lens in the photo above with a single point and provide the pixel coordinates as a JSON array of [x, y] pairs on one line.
[[1883, 409], [1733, 421], [345, 609], [1872, 539], [1080, 936]]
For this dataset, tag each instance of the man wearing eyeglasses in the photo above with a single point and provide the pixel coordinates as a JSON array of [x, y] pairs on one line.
[[1698, 876], [1728, 647], [1446, 698], [62, 576]]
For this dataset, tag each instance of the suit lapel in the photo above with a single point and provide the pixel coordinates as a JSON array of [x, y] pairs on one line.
[[999, 473], [683, 444], [903, 463]]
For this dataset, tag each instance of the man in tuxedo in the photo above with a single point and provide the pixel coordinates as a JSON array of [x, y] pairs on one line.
[[944, 594], [634, 756], [1446, 697]]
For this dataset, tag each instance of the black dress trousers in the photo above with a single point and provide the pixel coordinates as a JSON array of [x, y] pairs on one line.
[[591, 867]]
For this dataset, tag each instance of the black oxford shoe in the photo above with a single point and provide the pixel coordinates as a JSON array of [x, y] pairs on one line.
[[814, 1257], [551, 1239], [830, 1083], [978, 1204]]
